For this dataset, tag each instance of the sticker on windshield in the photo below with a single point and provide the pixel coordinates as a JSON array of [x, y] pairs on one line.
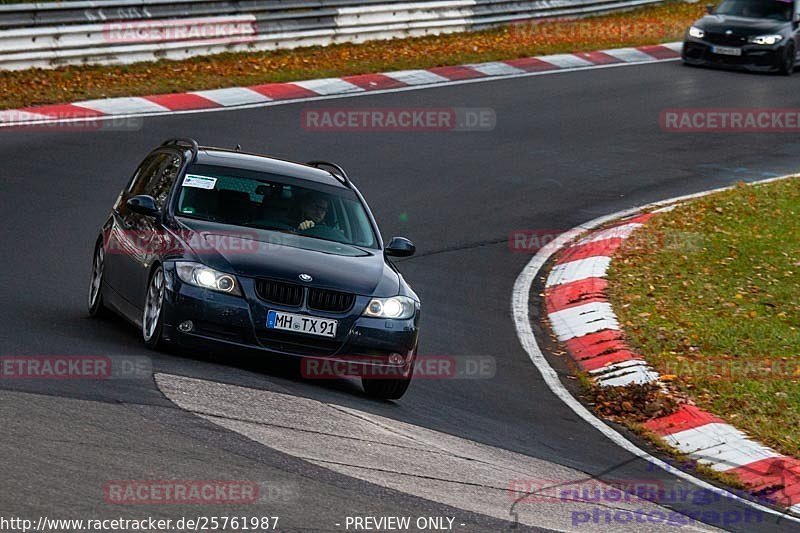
[[199, 182]]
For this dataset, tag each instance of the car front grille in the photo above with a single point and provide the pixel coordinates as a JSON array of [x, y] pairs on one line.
[[291, 294], [725, 40], [279, 292], [331, 301]]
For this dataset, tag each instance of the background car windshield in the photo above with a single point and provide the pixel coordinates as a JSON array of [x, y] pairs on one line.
[[279, 203], [771, 9]]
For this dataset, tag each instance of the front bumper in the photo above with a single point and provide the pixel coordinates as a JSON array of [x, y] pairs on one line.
[[239, 323], [755, 57]]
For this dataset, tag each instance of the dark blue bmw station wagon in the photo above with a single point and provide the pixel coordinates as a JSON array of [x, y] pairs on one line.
[[211, 246]]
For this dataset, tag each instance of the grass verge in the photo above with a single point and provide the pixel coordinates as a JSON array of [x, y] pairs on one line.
[[659, 23], [709, 293]]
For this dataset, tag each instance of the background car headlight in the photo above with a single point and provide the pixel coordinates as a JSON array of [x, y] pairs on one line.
[[400, 307], [765, 39], [202, 276], [696, 32]]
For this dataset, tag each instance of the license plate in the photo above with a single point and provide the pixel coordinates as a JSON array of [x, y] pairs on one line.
[[311, 325], [726, 50]]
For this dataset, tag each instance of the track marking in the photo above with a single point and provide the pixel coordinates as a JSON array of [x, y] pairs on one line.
[[22, 120], [233, 96], [425, 463], [520, 310], [116, 107]]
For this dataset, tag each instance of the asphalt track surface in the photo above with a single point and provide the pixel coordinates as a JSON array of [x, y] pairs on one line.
[[566, 148]]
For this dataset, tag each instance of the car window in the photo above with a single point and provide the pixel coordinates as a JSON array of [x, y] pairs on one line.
[[277, 203], [145, 173], [162, 177], [136, 183], [154, 177], [771, 9]]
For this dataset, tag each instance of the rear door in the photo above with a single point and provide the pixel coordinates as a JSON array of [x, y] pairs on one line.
[[119, 240], [141, 237]]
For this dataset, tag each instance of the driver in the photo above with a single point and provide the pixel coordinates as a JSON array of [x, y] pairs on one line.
[[313, 209]]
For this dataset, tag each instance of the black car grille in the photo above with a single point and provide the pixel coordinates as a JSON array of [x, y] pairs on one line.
[[286, 342], [332, 301], [725, 40], [279, 292]]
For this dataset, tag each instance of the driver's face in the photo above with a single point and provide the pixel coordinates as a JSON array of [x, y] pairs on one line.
[[315, 210]]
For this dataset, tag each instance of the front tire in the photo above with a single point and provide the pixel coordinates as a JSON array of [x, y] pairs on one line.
[[389, 389], [386, 389], [153, 315], [787, 64], [96, 306]]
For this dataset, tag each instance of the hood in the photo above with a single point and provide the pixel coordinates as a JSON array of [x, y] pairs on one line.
[[741, 26], [254, 253]]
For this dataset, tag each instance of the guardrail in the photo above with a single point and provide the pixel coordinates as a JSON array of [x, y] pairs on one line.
[[47, 35]]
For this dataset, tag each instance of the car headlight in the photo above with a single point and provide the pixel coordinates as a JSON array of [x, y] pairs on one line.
[[765, 39], [696, 32], [200, 275], [399, 307]]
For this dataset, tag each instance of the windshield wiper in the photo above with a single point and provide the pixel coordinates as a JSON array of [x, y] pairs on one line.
[[295, 232], [266, 228]]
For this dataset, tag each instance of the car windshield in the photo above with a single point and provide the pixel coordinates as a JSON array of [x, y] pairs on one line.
[[279, 203], [757, 9]]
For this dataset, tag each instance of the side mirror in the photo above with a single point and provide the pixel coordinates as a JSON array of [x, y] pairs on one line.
[[400, 247], [710, 8], [143, 204]]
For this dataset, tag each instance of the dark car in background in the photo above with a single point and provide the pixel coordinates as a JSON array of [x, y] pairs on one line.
[[206, 246], [758, 35]]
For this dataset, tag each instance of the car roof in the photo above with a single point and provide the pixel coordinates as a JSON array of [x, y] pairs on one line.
[[261, 163]]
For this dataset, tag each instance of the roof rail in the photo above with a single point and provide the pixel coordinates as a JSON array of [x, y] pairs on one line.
[[340, 174], [188, 143]]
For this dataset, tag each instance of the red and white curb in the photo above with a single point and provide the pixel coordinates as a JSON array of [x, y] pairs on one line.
[[581, 316], [270, 93]]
